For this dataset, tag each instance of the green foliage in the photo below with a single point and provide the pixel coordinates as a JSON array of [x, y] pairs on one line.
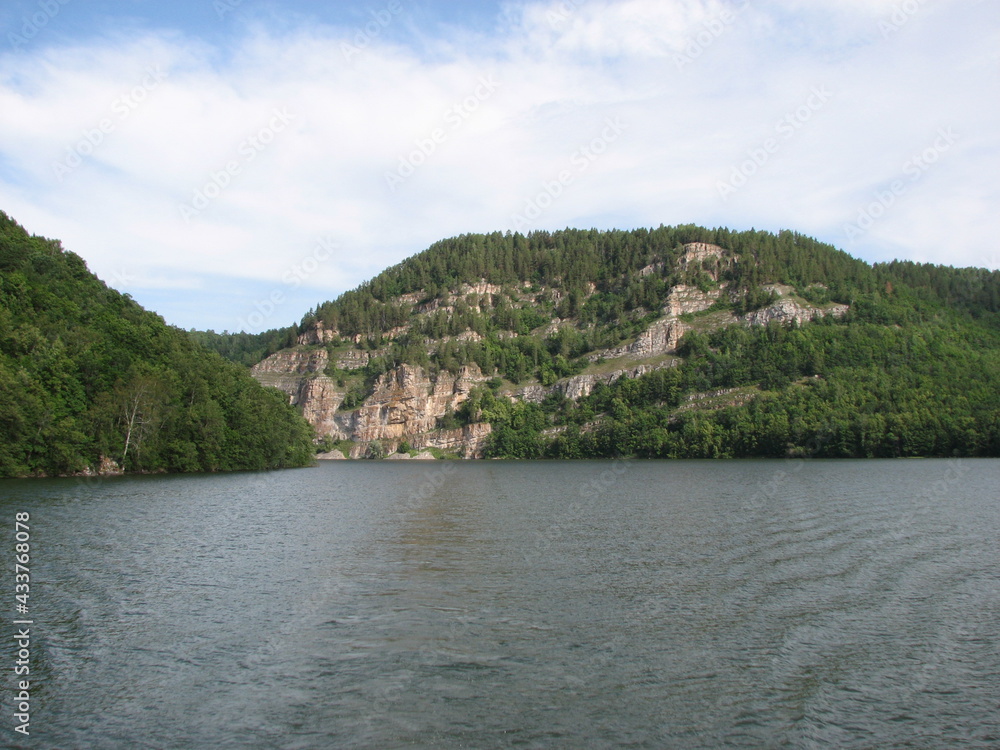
[[852, 389], [376, 450], [344, 446], [973, 290], [752, 299], [516, 428], [85, 372], [355, 396], [247, 348], [450, 420]]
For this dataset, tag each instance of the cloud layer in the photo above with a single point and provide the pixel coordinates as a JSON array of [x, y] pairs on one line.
[[205, 179]]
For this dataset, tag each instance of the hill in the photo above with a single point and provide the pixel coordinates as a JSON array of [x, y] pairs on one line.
[[90, 382], [670, 342]]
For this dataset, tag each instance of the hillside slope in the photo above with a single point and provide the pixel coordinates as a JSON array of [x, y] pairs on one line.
[[90, 382], [672, 342]]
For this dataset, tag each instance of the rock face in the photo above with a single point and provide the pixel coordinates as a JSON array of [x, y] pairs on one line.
[[353, 359], [581, 386], [297, 372], [789, 311], [481, 288], [662, 337], [406, 403], [685, 299], [317, 334], [711, 258], [468, 441], [106, 467], [293, 362], [320, 398], [301, 361], [404, 406], [651, 269], [701, 251]]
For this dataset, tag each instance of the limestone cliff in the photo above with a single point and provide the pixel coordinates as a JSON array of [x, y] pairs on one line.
[[406, 402], [298, 372], [709, 258], [791, 311], [662, 337], [299, 361], [404, 405], [317, 333], [665, 334], [684, 299], [581, 386]]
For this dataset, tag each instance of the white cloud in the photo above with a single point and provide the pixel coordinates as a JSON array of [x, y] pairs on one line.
[[631, 28], [698, 84]]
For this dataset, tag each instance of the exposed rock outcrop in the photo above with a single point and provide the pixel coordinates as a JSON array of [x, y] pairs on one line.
[[468, 441], [464, 336], [306, 361], [293, 362], [317, 333], [423, 455], [106, 467], [297, 373], [662, 337], [404, 405], [406, 402], [652, 269], [711, 258], [685, 299], [353, 359], [320, 398], [581, 386], [787, 310], [481, 288], [701, 251]]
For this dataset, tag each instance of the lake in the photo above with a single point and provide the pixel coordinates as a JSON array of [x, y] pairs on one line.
[[597, 604]]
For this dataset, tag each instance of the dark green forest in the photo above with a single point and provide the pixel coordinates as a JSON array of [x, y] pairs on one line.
[[572, 260], [247, 348], [87, 373], [827, 389]]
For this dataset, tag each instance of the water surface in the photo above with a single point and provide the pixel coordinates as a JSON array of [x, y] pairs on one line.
[[504, 604]]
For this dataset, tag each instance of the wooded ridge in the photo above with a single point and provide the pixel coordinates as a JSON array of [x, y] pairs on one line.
[[670, 342], [92, 383]]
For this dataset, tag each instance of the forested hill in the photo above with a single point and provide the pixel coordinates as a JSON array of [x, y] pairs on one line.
[[90, 381], [676, 341]]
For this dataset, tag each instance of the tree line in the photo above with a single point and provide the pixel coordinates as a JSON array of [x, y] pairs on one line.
[[86, 373]]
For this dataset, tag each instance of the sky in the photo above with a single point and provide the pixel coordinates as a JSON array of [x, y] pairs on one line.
[[233, 163]]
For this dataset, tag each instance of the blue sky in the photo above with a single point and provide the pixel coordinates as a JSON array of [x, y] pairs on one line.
[[231, 164], [219, 20]]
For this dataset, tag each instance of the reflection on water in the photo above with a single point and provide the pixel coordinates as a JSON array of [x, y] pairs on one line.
[[503, 604]]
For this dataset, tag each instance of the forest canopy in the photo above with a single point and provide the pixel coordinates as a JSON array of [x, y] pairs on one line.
[[87, 375]]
